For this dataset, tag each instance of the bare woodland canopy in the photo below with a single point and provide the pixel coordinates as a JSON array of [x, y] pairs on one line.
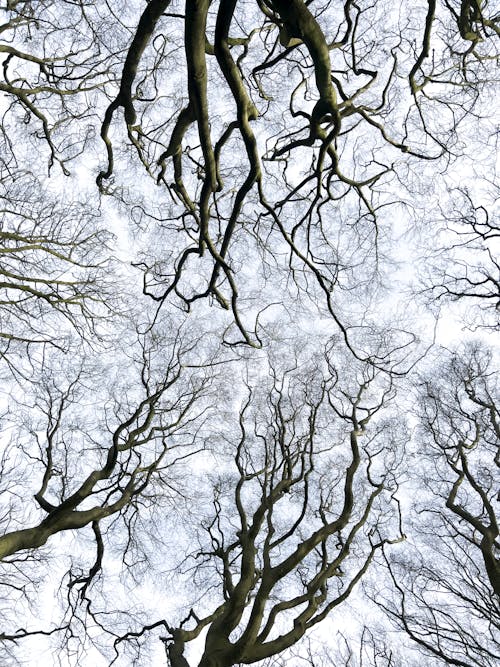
[[249, 294]]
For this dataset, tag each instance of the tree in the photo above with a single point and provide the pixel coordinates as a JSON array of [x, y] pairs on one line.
[[237, 433], [448, 586], [290, 191], [54, 273], [297, 524], [318, 140], [94, 458], [470, 272]]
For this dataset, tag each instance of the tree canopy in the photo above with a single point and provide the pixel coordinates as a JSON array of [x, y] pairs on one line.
[[249, 294]]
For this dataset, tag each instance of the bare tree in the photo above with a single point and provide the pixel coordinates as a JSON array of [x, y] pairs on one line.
[[266, 158], [86, 450], [295, 520], [58, 60], [274, 126], [448, 586], [316, 109], [465, 268], [55, 271]]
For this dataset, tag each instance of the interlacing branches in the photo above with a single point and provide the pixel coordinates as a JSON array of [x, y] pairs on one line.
[[54, 269], [56, 64], [126, 459], [295, 88], [447, 591], [465, 267], [464, 422], [290, 538], [270, 168]]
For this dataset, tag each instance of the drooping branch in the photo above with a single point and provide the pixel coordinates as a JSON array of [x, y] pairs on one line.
[[145, 28]]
